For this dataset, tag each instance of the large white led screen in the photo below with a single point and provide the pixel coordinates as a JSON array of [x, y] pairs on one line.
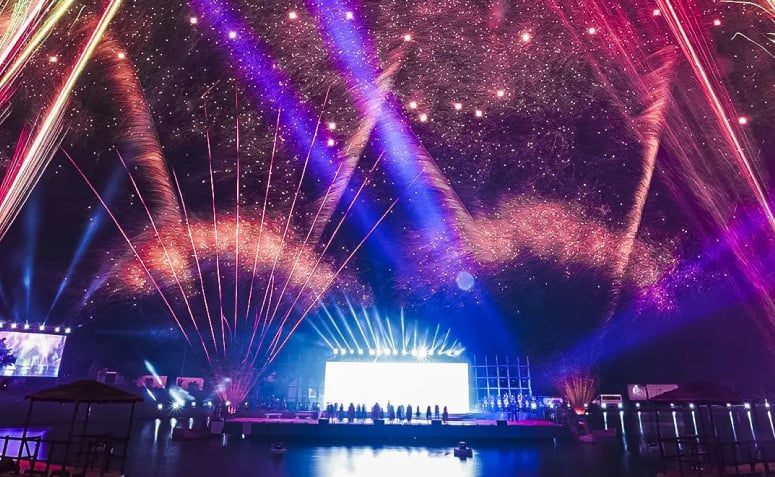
[[415, 384], [37, 354]]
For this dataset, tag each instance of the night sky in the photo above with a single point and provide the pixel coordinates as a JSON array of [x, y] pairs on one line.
[[537, 177]]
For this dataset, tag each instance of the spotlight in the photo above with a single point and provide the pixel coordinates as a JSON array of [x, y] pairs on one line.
[[227, 403], [56, 330], [458, 106], [717, 22], [26, 326], [349, 15], [193, 20], [478, 113], [331, 142], [691, 405], [412, 104], [53, 59], [656, 12], [747, 405], [193, 403], [13, 326], [423, 117], [159, 407], [592, 30], [407, 37], [742, 120], [121, 56], [360, 351], [500, 93], [336, 351], [403, 352], [379, 352], [2, 323], [371, 352], [620, 406], [637, 405], [67, 331], [41, 327], [293, 15], [331, 126], [232, 34], [395, 352], [526, 37]]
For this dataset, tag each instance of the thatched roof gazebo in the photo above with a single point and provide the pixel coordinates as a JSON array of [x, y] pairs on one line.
[[83, 392]]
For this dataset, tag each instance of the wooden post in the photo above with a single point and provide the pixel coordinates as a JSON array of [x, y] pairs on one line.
[[70, 436], [126, 442], [26, 428]]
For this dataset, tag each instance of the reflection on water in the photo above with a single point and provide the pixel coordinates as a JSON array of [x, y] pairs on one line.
[[370, 461]]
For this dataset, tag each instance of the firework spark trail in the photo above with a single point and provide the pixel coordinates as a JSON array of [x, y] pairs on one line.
[[357, 142], [346, 213], [20, 30], [215, 233], [333, 235], [196, 260], [139, 139], [276, 349], [405, 155], [10, 72], [131, 246], [296, 194], [166, 253], [263, 210], [304, 244], [41, 148], [679, 23], [236, 235]]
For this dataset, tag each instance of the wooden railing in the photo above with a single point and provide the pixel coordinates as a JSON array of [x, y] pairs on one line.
[[46, 457]]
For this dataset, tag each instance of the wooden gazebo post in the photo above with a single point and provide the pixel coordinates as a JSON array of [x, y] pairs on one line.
[[128, 434], [24, 432]]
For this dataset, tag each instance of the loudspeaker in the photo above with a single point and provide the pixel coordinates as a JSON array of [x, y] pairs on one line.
[[379, 422], [501, 422], [323, 420], [435, 423]]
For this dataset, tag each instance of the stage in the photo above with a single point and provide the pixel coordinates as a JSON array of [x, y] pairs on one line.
[[471, 430]]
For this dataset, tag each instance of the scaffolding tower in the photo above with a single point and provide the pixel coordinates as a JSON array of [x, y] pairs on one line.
[[494, 378]]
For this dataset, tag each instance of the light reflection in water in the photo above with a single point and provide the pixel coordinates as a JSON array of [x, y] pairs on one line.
[[750, 424], [624, 431], [732, 421], [351, 462], [173, 423], [156, 425], [772, 427], [694, 422]]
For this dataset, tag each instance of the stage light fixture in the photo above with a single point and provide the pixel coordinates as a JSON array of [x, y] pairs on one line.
[[26, 326], [13, 326], [175, 405], [360, 351], [395, 352], [41, 327], [342, 351], [67, 331], [193, 403], [403, 352], [352, 351], [371, 352], [56, 330], [2, 323], [159, 407], [336, 351]]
